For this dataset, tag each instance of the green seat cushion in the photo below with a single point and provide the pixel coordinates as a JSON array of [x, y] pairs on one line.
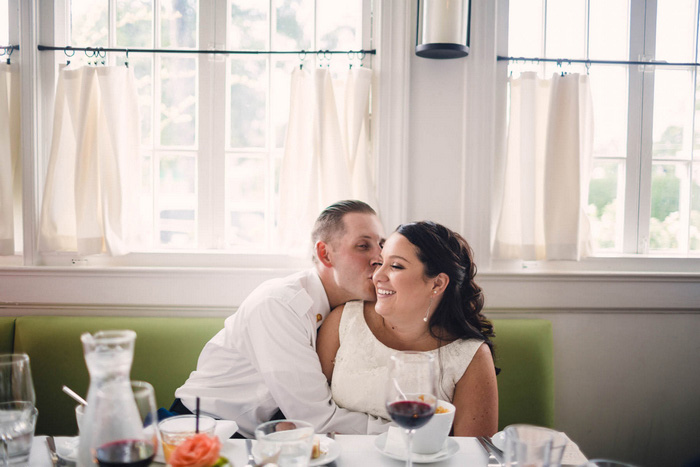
[[7, 332], [526, 382], [166, 351]]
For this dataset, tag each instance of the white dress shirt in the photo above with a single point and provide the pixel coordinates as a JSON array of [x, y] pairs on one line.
[[265, 359]]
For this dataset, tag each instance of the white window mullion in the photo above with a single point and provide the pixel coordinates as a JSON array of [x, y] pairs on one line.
[[639, 139], [647, 141], [211, 155]]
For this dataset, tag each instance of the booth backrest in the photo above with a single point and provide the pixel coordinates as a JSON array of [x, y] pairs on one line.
[[524, 353], [7, 333], [167, 349]]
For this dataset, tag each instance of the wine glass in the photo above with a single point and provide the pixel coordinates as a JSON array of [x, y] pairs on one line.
[[125, 430], [411, 398], [17, 412]]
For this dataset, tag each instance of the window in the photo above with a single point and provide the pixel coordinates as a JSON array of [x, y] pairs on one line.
[[213, 126], [644, 193]]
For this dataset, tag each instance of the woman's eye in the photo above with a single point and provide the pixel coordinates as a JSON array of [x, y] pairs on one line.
[[396, 266], [376, 264]]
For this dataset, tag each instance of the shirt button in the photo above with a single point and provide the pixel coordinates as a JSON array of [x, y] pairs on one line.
[[319, 317]]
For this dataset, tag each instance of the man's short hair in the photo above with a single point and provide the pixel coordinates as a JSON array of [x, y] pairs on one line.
[[329, 223]]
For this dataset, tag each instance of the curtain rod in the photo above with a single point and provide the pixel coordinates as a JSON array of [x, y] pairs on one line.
[[94, 50], [9, 47], [569, 61]]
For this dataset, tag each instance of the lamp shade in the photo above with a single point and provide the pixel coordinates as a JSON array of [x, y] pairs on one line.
[[443, 28]]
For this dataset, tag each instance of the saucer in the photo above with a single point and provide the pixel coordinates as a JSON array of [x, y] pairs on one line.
[[330, 450], [67, 449], [451, 448]]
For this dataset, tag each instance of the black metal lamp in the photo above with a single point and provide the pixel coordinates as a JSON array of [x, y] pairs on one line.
[[443, 28]]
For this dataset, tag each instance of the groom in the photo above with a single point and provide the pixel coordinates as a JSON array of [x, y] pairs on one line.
[[264, 361]]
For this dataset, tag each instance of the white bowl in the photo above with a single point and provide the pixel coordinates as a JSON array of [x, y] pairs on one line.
[[431, 438]]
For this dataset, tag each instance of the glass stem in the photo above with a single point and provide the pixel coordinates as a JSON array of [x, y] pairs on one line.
[[409, 448], [4, 452]]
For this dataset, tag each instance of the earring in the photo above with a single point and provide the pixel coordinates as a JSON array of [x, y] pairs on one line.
[[427, 312]]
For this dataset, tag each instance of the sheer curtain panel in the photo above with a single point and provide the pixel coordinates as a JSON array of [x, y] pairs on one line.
[[90, 200], [545, 182], [327, 154], [10, 166]]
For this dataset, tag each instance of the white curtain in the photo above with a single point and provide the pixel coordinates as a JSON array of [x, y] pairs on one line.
[[545, 181], [327, 154], [92, 183], [10, 166]]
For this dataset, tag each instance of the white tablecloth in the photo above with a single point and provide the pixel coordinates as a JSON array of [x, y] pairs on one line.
[[356, 451]]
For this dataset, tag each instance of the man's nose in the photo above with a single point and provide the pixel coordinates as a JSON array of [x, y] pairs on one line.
[[376, 255]]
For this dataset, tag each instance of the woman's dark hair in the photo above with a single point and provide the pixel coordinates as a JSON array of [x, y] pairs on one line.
[[458, 315]]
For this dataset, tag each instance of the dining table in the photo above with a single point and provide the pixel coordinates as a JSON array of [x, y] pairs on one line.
[[354, 451]]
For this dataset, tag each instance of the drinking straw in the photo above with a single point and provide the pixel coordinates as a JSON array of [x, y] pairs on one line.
[[196, 422]]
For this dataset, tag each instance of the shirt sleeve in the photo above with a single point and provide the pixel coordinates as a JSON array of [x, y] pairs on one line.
[[279, 342]]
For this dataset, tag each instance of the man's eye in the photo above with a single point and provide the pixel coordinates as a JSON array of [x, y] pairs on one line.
[[363, 246]]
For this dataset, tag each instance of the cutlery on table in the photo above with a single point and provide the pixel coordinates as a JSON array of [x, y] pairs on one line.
[[491, 449], [52, 450]]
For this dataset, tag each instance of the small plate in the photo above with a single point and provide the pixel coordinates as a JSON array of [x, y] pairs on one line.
[[448, 451], [330, 450], [67, 449], [499, 440]]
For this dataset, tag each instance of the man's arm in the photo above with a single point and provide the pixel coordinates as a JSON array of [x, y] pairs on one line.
[[278, 342]]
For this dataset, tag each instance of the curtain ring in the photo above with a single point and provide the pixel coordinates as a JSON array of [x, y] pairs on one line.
[[3, 52], [66, 49], [327, 55]]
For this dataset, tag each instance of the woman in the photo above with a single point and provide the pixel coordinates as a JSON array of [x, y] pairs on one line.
[[427, 300]]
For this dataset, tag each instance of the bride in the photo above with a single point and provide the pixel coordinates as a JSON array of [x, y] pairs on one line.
[[427, 300]]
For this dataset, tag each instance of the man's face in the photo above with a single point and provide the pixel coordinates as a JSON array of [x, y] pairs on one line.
[[354, 253]]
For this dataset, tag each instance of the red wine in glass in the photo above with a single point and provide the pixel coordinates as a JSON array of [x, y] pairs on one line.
[[127, 453], [410, 414]]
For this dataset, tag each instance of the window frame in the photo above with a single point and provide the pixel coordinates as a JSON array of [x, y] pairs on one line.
[[635, 255], [388, 124]]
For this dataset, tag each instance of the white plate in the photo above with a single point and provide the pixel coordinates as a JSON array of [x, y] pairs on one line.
[[330, 450], [448, 451], [499, 440], [67, 448]]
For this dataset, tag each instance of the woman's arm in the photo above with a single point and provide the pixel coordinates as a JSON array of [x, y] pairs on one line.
[[476, 397], [328, 341]]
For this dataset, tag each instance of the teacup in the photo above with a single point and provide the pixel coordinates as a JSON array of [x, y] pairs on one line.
[[431, 438]]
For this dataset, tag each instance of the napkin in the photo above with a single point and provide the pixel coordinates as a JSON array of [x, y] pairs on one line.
[[396, 446], [572, 454]]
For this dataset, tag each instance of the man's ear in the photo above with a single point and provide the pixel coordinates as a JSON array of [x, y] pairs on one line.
[[440, 283], [323, 253]]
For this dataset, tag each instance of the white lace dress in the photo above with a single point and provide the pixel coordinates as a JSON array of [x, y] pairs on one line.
[[360, 372]]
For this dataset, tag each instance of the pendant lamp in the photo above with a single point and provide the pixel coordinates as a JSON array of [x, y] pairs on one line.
[[443, 28]]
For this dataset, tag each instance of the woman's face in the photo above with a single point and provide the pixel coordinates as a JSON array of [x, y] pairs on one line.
[[403, 291]]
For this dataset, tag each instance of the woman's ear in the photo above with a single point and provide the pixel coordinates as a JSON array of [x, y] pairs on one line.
[[440, 283], [323, 253]]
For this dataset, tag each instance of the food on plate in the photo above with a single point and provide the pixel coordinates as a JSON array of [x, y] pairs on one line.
[[441, 409], [316, 449]]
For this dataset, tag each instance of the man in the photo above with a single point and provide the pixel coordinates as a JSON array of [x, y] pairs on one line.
[[264, 360]]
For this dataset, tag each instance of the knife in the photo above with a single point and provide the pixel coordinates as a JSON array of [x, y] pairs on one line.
[[52, 450], [491, 449]]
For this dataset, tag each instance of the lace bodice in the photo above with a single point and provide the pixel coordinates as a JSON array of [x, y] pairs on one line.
[[360, 372]]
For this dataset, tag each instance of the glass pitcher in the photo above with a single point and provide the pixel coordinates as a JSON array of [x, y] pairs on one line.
[[108, 355]]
